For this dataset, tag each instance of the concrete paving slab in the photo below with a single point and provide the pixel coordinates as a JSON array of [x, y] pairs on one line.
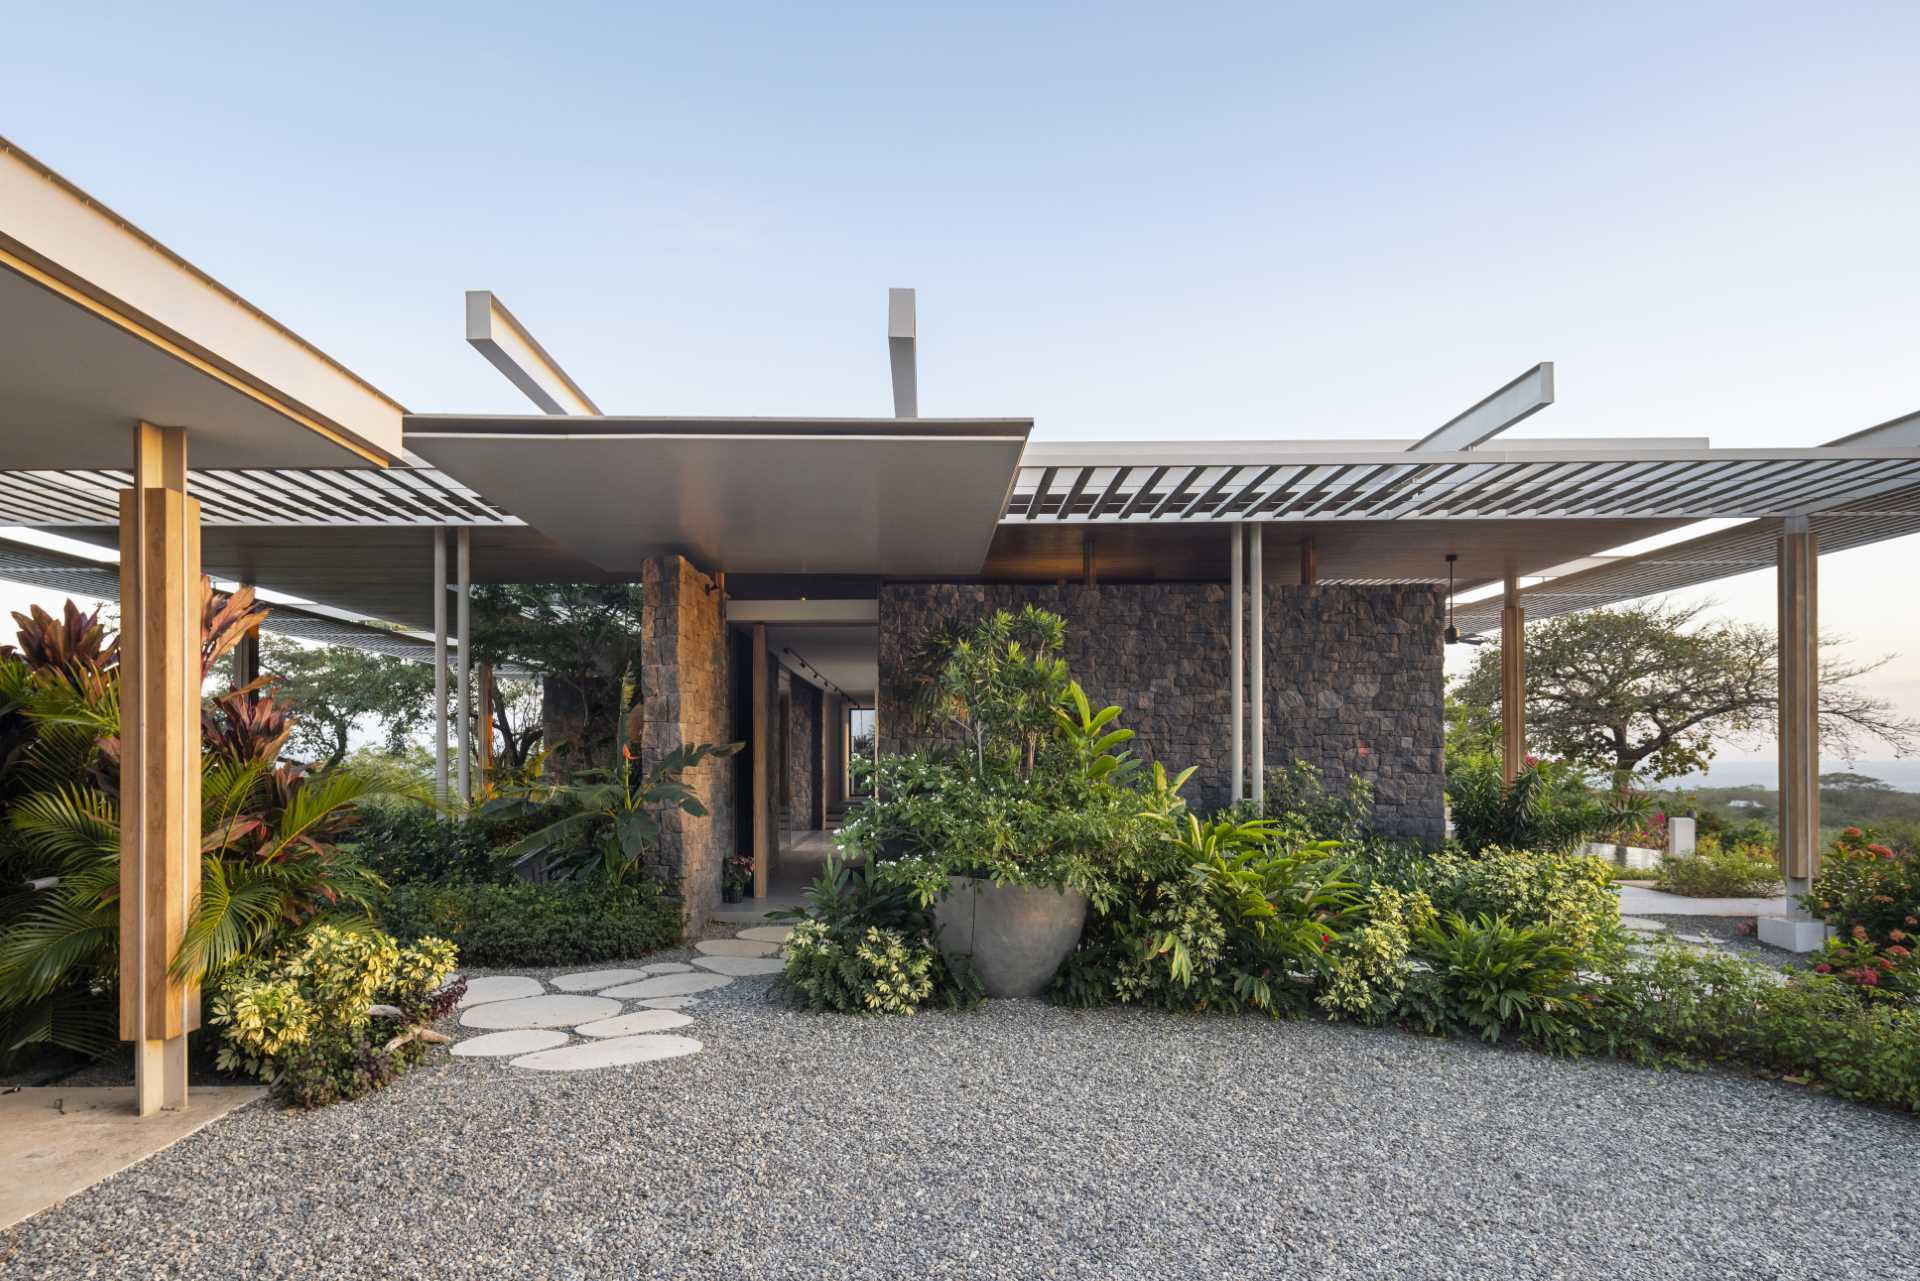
[[613, 1053], [496, 1045], [766, 933], [735, 947], [540, 1011], [669, 985], [499, 987], [594, 980], [57, 1140], [740, 965], [636, 1023]]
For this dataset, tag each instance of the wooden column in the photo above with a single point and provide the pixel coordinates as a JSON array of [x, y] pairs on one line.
[[1799, 725], [1309, 564], [1513, 682], [463, 629], [762, 759], [160, 610], [246, 660]]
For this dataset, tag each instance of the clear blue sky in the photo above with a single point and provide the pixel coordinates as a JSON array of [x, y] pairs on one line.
[[1124, 220]]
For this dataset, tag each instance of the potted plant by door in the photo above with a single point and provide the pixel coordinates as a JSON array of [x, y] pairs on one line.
[[1010, 836], [736, 879]]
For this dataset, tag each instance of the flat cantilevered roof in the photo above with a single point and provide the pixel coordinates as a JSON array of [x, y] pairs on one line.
[[792, 495], [105, 327]]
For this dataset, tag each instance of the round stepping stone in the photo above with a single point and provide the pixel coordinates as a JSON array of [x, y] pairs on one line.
[[594, 980], [541, 1011], [669, 1002], [499, 987], [508, 1044], [766, 933], [669, 985], [666, 967], [611, 1053], [635, 1023], [736, 947], [741, 964], [1642, 924]]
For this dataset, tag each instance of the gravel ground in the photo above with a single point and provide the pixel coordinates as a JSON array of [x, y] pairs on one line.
[[1018, 1141], [1725, 931]]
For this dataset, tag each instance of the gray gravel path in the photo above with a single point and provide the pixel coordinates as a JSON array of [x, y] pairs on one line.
[[1018, 1141]]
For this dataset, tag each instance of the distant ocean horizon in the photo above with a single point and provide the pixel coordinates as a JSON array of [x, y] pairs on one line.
[[1904, 775]]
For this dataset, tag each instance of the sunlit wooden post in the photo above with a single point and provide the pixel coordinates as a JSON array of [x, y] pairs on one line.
[[1798, 552], [1513, 681], [484, 723], [159, 761]]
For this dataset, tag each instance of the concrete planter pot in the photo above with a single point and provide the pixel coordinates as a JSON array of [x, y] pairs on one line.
[[1013, 936]]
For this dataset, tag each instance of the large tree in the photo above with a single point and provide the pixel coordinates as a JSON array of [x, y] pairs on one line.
[[584, 640], [333, 690], [1653, 689]]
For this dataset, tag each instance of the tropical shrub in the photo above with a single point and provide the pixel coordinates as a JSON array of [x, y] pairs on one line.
[[1548, 806], [1297, 798], [1867, 885], [863, 943], [1571, 893], [1364, 970], [336, 1015], [1718, 870], [600, 825], [407, 843], [272, 865], [1492, 977], [521, 923]]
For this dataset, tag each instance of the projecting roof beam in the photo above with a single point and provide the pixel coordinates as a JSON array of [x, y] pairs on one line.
[[1901, 432], [1174, 494], [1219, 483], [1246, 492], [508, 347], [903, 335], [1520, 399]]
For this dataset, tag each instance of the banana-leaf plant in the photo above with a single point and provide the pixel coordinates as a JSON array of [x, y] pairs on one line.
[[604, 821]]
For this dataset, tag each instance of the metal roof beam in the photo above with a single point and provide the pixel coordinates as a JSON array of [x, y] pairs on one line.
[[903, 337], [493, 331], [1519, 400]]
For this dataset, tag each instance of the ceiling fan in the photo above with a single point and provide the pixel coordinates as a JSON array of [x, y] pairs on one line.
[[1452, 633]]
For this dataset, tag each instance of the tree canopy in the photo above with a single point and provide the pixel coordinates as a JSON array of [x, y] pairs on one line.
[[1652, 689], [332, 689]]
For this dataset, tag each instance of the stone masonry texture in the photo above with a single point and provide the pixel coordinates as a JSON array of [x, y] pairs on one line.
[[1354, 680], [686, 691]]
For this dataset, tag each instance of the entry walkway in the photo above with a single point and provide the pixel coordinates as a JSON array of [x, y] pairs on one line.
[[1636, 901]]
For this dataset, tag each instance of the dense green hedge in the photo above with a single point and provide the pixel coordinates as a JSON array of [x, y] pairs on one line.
[[524, 924]]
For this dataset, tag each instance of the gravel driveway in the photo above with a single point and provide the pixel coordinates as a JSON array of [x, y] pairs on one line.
[[1018, 1141]]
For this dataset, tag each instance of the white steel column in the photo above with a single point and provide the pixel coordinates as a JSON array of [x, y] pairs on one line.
[[1236, 661], [439, 665], [1257, 574], [463, 623]]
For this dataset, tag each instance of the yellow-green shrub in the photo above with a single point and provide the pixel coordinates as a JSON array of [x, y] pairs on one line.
[[305, 1022]]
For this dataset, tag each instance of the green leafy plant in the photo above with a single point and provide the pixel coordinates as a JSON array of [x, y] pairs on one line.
[[1297, 797], [521, 923], [864, 943], [1866, 884], [1717, 870], [1492, 977], [998, 681], [1548, 806], [602, 826], [335, 1016]]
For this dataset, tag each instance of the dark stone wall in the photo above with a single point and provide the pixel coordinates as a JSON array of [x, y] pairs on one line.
[[1353, 674], [687, 697], [803, 753]]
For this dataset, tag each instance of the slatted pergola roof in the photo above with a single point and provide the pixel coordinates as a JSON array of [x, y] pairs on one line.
[[398, 495], [1115, 484]]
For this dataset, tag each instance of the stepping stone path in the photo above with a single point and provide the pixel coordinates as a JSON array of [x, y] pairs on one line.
[[766, 933], [606, 1018], [735, 947], [508, 1044], [540, 1011], [740, 965]]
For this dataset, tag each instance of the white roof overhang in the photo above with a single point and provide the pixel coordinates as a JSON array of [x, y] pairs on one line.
[[744, 495], [105, 327]]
